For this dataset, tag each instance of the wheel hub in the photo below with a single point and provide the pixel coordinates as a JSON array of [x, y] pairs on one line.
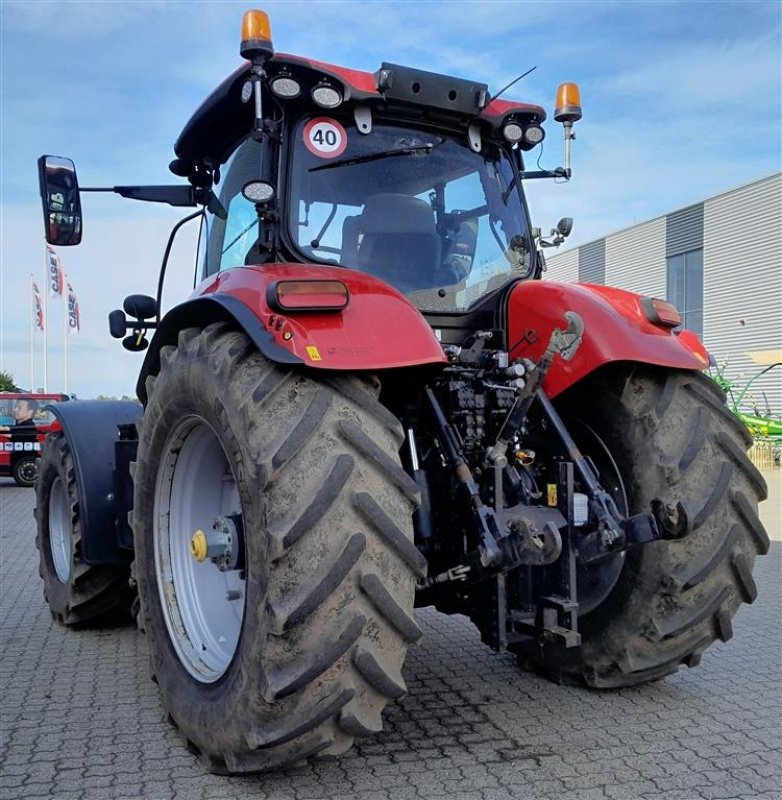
[[223, 544]]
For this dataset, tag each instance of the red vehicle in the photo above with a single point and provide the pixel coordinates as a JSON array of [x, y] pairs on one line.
[[24, 424], [370, 402]]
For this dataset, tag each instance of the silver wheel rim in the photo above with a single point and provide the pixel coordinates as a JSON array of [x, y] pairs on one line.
[[195, 485], [591, 597], [60, 530]]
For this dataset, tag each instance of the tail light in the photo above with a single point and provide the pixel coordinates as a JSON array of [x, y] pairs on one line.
[[308, 295], [661, 312]]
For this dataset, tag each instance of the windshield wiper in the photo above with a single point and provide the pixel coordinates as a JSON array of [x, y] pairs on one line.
[[399, 151]]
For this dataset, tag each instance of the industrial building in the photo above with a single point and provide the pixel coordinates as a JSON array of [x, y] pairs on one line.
[[720, 262]]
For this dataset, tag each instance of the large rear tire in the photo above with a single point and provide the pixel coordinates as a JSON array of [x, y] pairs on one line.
[[299, 652], [75, 591], [671, 437]]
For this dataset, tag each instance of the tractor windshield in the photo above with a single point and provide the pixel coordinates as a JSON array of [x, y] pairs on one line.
[[419, 209]]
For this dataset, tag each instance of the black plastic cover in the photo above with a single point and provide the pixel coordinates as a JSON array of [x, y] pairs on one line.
[[431, 89]]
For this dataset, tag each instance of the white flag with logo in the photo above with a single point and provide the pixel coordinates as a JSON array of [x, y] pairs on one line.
[[55, 276], [74, 316]]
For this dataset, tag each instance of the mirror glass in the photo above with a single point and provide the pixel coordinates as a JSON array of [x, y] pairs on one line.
[[61, 203]]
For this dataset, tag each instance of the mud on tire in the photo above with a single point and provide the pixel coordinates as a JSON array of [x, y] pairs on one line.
[[76, 592], [330, 564], [672, 437]]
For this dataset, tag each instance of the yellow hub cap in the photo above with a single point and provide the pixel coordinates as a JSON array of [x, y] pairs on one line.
[[198, 546]]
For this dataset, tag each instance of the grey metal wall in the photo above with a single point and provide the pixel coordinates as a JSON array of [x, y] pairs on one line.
[[743, 282], [635, 258], [562, 266], [592, 262], [684, 230]]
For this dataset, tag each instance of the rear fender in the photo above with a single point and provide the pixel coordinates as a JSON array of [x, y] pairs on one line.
[[91, 428], [615, 329], [379, 329]]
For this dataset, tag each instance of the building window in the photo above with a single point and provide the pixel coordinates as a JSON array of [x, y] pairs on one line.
[[685, 288]]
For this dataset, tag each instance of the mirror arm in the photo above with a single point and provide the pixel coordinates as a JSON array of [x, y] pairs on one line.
[[559, 172], [173, 195]]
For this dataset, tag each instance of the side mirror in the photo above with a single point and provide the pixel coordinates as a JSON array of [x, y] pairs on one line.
[[61, 202], [565, 226], [140, 306]]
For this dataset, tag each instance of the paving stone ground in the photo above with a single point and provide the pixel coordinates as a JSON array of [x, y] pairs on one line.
[[80, 719]]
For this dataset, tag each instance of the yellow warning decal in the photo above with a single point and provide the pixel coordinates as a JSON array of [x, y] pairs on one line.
[[313, 352], [551, 493]]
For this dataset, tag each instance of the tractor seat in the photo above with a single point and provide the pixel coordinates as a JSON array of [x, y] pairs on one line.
[[399, 241]]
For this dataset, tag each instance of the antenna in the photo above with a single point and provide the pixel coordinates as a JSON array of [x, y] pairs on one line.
[[515, 80]]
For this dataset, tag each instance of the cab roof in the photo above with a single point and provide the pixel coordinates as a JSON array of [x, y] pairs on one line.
[[222, 119]]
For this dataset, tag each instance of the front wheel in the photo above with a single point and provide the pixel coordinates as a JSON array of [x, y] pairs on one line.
[[670, 436], [274, 555]]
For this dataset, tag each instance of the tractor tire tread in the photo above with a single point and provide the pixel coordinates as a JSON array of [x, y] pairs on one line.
[[326, 655], [92, 594], [679, 596]]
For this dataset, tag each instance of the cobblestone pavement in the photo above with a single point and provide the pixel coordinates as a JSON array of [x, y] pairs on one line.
[[81, 720]]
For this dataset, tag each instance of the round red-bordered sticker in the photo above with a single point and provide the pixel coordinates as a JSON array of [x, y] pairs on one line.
[[325, 137]]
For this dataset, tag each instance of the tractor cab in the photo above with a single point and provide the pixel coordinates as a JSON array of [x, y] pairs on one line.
[[406, 175]]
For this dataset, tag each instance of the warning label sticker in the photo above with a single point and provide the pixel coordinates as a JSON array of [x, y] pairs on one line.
[[325, 137]]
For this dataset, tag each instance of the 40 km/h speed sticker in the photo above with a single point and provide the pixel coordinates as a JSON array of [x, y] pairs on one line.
[[325, 137]]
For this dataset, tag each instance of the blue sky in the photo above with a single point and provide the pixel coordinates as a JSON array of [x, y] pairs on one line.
[[681, 101]]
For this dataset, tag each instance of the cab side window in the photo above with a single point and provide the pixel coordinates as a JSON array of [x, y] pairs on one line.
[[230, 231]]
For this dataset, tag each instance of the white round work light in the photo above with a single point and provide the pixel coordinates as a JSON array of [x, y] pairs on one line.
[[285, 86], [326, 96], [258, 191], [512, 131]]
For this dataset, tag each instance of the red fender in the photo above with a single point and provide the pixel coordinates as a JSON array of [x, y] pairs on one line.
[[615, 329], [379, 329]]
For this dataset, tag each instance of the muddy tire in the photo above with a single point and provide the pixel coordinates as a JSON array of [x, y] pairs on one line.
[[322, 603], [76, 592], [25, 471], [672, 437]]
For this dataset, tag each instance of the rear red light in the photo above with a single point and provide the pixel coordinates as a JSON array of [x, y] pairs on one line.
[[308, 295], [661, 312]]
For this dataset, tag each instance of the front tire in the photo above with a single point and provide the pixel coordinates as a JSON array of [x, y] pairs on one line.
[[329, 568], [672, 437], [76, 592]]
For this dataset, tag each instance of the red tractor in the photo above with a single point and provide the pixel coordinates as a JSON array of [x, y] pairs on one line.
[[371, 402]]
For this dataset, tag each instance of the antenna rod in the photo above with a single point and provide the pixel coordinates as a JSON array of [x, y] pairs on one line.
[[515, 80]]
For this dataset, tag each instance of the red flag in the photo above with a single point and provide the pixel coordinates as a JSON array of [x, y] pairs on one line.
[[38, 307], [56, 279], [74, 316]]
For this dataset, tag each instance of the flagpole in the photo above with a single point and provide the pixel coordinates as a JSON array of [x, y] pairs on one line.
[[45, 319], [32, 333], [65, 318]]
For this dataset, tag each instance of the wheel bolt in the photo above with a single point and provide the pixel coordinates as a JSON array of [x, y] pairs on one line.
[[199, 546]]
